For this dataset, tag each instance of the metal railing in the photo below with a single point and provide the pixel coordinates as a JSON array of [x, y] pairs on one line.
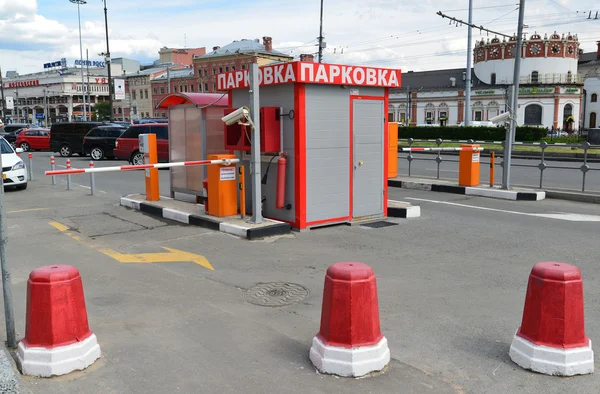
[[542, 165]]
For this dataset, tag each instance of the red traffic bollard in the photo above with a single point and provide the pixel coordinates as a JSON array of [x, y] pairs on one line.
[[551, 339], [57, 336], [349, 342]]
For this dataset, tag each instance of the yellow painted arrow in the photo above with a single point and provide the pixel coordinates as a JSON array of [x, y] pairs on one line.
[[171, 256]]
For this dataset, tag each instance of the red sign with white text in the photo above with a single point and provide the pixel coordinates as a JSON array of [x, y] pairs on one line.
[[22, 84], [317, 73]]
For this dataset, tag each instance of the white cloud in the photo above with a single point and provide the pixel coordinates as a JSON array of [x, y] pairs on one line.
[[374, 32]]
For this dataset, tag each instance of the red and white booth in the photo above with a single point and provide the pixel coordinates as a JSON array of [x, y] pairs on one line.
[[330, 123]]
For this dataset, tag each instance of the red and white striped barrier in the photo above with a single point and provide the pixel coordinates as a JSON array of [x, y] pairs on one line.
[[441, 149], [139, 167]]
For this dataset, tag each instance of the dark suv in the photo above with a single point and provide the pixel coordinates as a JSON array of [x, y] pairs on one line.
[[100, 141], [12, 127], [67, 138]]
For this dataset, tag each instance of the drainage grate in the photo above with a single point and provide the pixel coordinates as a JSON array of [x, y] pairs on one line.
[[276, 294], [379, 224]]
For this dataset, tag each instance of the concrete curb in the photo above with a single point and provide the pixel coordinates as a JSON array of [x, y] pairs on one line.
[[251, 233], [8, 378], [515, 195], [404, 210], [571, 196]]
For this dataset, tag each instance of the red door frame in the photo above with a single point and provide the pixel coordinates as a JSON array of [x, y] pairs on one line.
[[384, 146]]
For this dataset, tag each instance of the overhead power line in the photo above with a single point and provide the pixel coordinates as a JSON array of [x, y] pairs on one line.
[[480, 28]]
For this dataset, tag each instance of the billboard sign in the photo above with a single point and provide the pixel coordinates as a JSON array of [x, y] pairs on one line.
[[119, 89]]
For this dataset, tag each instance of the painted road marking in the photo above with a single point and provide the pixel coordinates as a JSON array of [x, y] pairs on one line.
[[29, 210], [571, 217], [171, 256]]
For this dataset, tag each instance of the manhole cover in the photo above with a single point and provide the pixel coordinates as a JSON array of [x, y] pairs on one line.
[[379, 224], [276, 294]]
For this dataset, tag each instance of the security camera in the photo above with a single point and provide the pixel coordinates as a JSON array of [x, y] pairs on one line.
[[239, 116], [500, 118]]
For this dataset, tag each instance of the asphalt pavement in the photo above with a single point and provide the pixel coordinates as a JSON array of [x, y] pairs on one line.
[[524, 172], [451, 291]]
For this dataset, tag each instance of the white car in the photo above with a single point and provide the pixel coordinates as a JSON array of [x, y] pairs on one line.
[[13, 168]]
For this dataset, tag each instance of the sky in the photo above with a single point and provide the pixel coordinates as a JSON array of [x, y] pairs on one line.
[[396, 34]]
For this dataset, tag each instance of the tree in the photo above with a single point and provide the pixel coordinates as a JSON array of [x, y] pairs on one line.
[[102, 110]]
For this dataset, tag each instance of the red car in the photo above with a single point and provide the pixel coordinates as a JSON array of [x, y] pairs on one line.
[[33, 139], [127, 146]]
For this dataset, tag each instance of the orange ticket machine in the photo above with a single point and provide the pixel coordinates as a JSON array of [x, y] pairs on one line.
[[392, 150], [222, 187], [468, 165], [148, 147]]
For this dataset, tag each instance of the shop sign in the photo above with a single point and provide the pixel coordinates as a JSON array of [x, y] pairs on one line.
[[314, 73], [479, 92], [535, 90]]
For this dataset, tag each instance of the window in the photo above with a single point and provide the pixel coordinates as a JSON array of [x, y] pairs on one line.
[[443, 118], [133, 94], [162, 90], [205, 72], [534, 76], [232, 68], [214, 71], [533, 115], [185, 88], [593, 120], [134, 132], [175, 88], [402, 117], [569, 77], [156, 114], [478, 116], [206, 87], [220, 69], [493, 79], [163, 114], [227, 69], [147, 94], [243, 66], [191, 88], [594, 97], [162, 132], [155, 91], [120, 110], [155, 102], [428, 117], [390, 117]]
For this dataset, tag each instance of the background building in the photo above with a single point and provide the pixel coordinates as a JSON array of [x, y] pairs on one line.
[[183, 56], [182, 81], [237, 55], [589, 66], [550, 93]]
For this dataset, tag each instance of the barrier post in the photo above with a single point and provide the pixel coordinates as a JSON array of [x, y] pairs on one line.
[[29, 168], [68, 175], [242, 182], [492, 169], [53, 168], [468, 165], [92, 180]]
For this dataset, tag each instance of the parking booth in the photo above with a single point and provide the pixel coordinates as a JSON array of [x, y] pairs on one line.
[[195, 132], [324, 140]]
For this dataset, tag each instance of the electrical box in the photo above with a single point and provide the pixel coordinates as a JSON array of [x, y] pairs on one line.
[[270, 129], [237, 137]]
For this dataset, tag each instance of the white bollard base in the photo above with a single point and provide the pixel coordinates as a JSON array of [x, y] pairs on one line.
[[353, 362], [552, 361], [44, 362]]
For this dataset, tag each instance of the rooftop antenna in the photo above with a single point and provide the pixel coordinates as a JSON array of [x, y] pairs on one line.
[[184, 40]]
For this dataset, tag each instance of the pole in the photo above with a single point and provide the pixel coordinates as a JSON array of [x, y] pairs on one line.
[[255, 170], [492, 169], [408, 109], [9, 313], [110, 81], [30, 168], [242, 181], [45, 113], [53, 168], [81, 58], [2, 91], [514, 100], [469, 58], [92, 180], [321, 35], [89, 94], [168, 79], [68, 175], [17, 104]]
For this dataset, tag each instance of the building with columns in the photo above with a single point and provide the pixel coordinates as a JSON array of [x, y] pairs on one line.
[[550, 92]]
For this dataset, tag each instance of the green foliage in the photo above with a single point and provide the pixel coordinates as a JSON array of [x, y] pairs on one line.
[[524, 133], [571, 139], [102, 110]]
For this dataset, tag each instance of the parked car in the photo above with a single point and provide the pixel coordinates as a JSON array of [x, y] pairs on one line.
[[127, 146], [120, 123], [100, 141], [13, 168], [12, 127], [11, 138], [67, 138], [33, 139], [557, 133]]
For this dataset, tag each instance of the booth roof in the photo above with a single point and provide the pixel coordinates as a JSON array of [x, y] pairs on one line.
[[198, 99]]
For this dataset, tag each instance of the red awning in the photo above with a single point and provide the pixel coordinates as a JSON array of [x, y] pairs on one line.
[[197, 99]]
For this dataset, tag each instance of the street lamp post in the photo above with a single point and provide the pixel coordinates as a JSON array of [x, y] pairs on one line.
[[79, 2], [110, 82]]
